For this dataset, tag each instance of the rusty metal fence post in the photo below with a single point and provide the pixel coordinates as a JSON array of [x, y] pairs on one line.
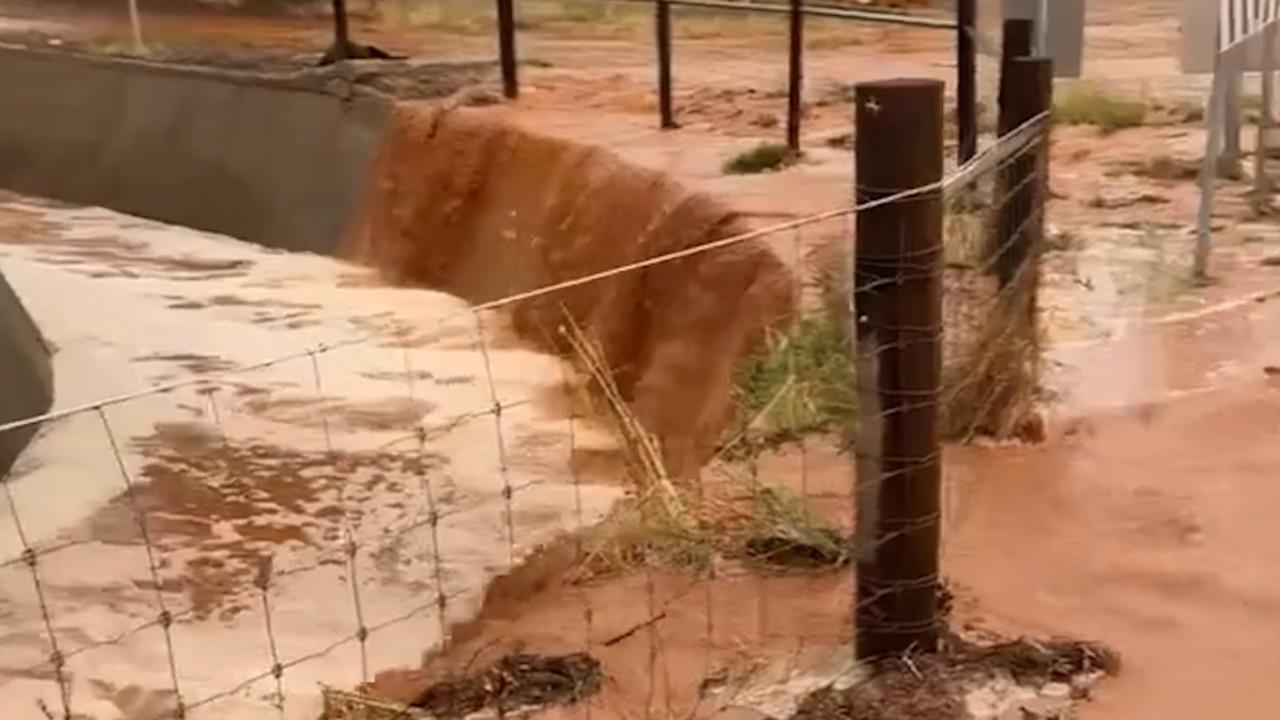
[[1015, 42], [1028, 84], [662, 30], [507, 48], [966, 80], [795, 74], [898, 313], [341, 31]]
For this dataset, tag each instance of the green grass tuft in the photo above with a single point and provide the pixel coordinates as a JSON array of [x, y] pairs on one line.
[[802, 381], [785, 532], [765, 157], [1093, 106]]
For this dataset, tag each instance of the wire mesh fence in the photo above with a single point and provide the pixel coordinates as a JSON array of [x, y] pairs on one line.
[[729, 65], [644, 506]]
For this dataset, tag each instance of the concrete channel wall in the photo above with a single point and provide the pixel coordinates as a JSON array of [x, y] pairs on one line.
[[26, 377], [280, 164]]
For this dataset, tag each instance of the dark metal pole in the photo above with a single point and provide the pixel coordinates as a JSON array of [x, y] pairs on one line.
[[341, 33], [507, 48], [795, 75], [898, 306], [1015, 42], [966, 79], [1014, 250], [662, 28], [1029, 86]]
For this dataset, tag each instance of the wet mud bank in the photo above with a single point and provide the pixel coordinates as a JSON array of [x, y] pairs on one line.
[[26, 376], [466, 203]]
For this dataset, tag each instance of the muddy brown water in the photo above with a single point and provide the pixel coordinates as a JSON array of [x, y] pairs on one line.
[[1149, 527], [1151, 530], [470, 204]]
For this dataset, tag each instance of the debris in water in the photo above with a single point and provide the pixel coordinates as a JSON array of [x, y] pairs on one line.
[[514, 682], [895, 692], [1037, 663], [826, 550], [1027, 678]]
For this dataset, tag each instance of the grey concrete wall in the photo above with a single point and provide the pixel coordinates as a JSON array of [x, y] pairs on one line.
[[26, 377], [264, 160]]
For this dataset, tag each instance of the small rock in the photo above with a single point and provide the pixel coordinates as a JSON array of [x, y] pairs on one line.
[[1271, 261], [1056, 690], [1044, 708], [843, 141], [1013, 713], [1082, 684], [338, 87], [1058, 239], [1271, 371], [478, 97], [1112, 200], [765, 120], [1034, 428], [738, 712]]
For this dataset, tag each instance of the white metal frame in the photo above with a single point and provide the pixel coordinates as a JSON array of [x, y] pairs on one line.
[[1238, 22]]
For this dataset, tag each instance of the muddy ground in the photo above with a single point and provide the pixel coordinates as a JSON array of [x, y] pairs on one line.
[[1143, 521]]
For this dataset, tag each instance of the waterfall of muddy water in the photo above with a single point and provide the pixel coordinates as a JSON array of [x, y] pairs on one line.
[[467, 204], [127, 303]]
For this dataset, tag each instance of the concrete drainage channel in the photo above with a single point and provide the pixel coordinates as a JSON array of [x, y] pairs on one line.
[[245, 490], [454, 200], [275, 165]]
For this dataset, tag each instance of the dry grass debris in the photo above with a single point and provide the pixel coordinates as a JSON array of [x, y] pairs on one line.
[[514, 684], [1090, 105], [935, 686], [683, 524]]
